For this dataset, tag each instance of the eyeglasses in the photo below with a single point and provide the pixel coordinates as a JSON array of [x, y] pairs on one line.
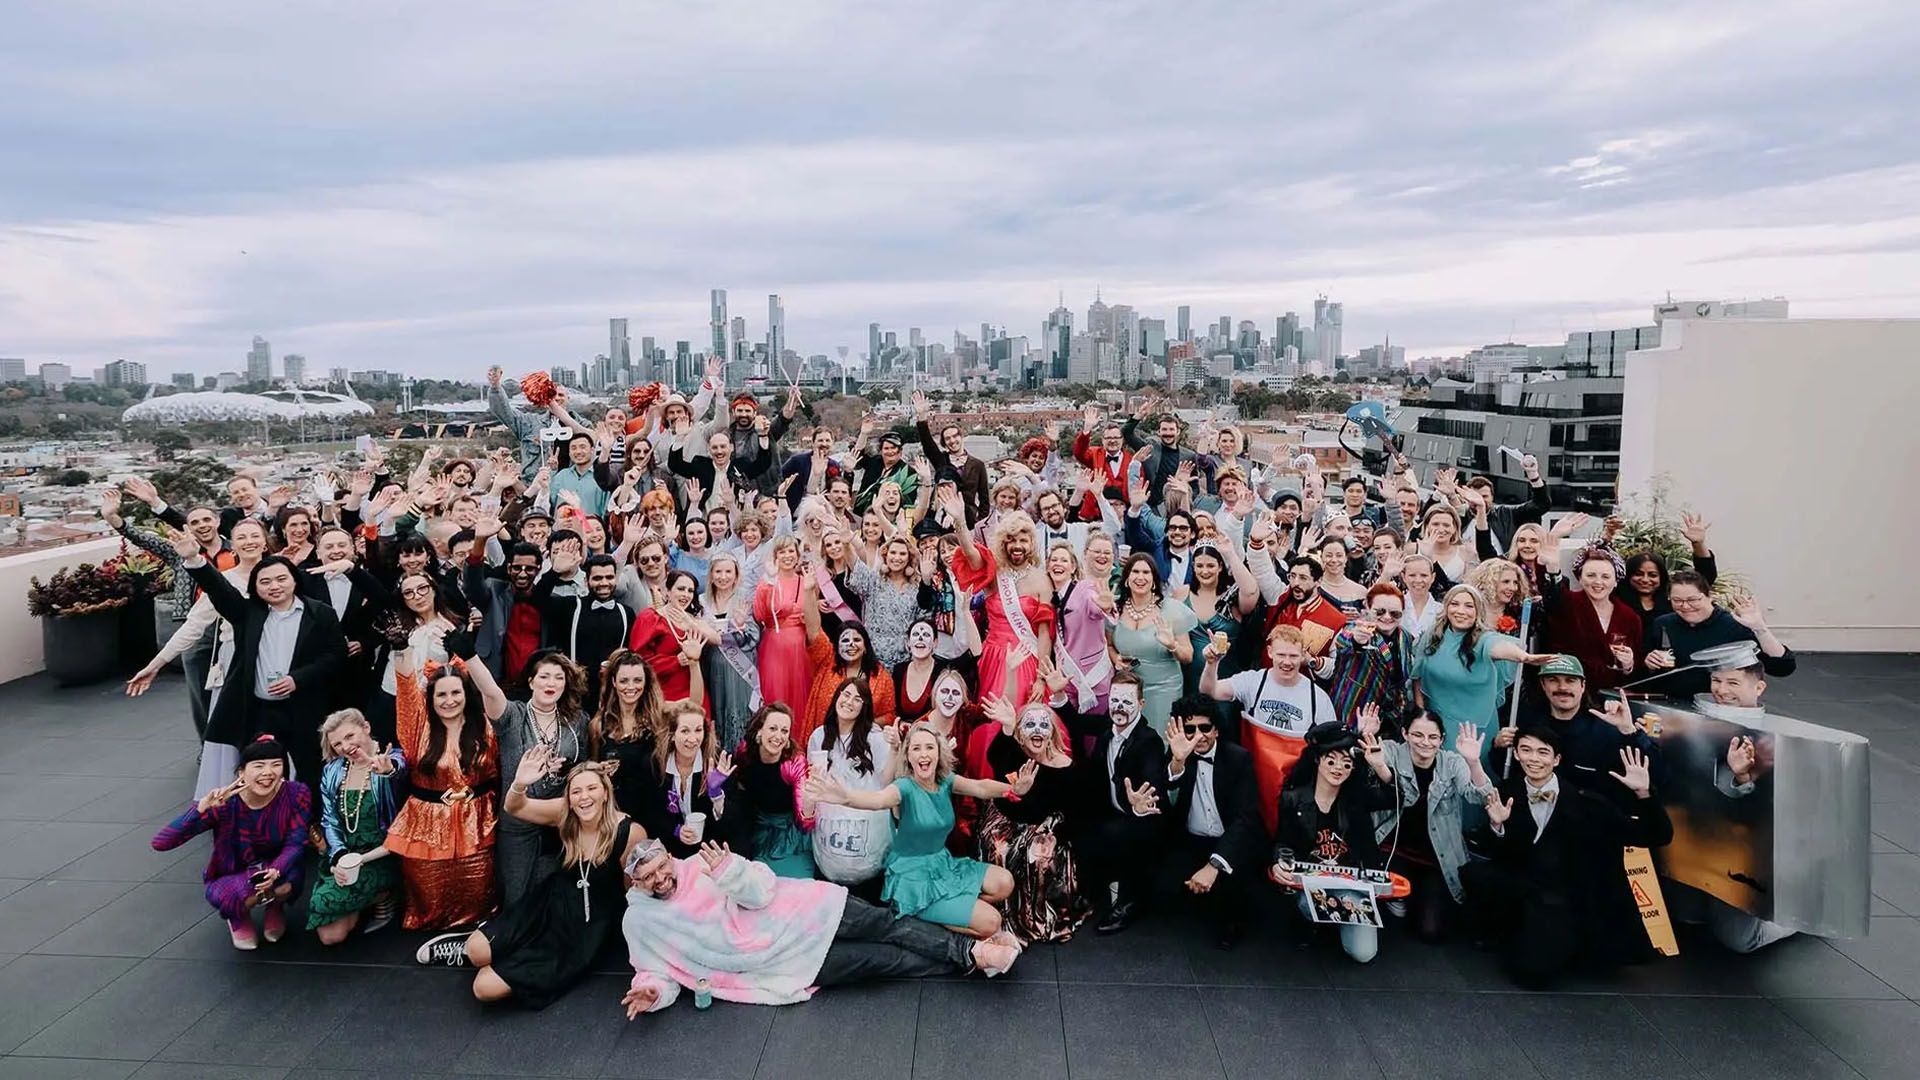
[[417, 590], [523, 569], [1200, 728], [1180, 528], [1384, 613]]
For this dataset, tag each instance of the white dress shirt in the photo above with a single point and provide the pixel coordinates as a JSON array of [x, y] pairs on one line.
[[1542, 809], [278, 635]]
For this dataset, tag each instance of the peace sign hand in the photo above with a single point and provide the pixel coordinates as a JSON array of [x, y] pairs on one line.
[[220, 794]]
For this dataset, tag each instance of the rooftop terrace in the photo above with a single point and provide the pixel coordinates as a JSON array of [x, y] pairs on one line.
[[112, 965]]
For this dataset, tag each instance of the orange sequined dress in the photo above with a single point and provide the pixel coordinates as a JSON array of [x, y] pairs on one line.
[[444, 830]]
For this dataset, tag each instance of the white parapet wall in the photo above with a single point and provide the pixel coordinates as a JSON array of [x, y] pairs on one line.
[[1797, 440], [20, 649]]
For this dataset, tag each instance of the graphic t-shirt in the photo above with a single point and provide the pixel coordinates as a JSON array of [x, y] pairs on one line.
[[1281, 710], [1328, 845]]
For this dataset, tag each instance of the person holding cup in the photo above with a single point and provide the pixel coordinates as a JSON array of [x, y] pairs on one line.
[[690, 774], [361, 789], [259, 824]]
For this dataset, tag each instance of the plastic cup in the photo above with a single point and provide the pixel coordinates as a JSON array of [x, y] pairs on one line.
[[349, 866], [697, 824], [702, 994]]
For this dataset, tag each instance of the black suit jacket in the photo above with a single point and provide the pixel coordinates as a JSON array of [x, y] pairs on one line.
[[974, 485], [319, 652], [1575, 865], [1237, 796], [1143, 760]]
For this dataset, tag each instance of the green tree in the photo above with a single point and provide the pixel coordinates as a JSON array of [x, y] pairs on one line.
[[169, 443]]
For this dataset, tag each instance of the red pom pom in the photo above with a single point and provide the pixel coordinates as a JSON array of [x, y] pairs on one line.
[[1507, 624], [539, 389], [641, 398]]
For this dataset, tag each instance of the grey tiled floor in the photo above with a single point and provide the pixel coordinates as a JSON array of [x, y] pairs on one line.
[[112, 966]]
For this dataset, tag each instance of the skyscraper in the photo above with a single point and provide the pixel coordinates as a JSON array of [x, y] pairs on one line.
[[1057, 340], [296, 366], [1126, 331], [260, 361], [1286, 332], [1099, 319], [873, 346], [1184, 326], [740, 347], [1335, 318], [129, 374], [776, 329], [619, 348], [717, 322], [647, 366]]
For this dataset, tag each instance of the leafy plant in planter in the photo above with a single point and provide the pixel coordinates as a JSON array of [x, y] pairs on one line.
[[1650, 522], [78, 590]]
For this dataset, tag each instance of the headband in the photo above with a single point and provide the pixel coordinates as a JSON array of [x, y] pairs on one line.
[[432, 668]]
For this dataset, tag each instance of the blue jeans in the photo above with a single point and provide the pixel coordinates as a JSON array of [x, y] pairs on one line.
[[1361, 943]]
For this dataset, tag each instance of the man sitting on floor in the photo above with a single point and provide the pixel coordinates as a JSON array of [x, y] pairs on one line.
[[761, 940]]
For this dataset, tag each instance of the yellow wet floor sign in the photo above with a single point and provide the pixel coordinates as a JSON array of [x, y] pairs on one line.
[[1653, 906]]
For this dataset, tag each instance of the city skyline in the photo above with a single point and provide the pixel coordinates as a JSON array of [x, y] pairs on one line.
[[1454, 181]]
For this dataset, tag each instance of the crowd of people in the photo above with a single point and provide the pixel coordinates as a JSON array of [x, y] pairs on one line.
[[791, 718]]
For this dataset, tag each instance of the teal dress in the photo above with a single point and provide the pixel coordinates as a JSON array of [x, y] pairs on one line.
[[1161, 676], [924, 879], [1460, 694]]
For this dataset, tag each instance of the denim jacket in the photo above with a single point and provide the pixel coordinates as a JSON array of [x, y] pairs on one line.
[[1451, 790]]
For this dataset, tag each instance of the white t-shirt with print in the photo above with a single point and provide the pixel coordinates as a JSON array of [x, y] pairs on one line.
[[1281, 710]]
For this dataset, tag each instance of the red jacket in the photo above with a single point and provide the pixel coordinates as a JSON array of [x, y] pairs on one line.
[[1113, 485]]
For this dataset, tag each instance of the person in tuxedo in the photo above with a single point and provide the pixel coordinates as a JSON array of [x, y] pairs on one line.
[[356, 597], [288, 650], [591, 627], [1555, 891], [1215, 836], [1122, 790]]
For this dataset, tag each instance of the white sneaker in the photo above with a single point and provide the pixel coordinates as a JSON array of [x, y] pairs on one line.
[[449, 949]]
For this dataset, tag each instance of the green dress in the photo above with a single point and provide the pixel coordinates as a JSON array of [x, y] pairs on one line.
[[924, 879], [360, 827], [1161, 676]]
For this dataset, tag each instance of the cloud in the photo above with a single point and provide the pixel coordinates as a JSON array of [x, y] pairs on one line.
[[440, 187]]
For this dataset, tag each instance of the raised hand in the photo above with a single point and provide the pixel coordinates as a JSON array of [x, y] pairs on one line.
[[1468, 742], [141, 488], [1374, 753], [921, 407], [1748, 613], [535, 765], [110, 502], [821, 788], [220, 794], [1144, 800], [1179, 743], [1498, 809], [1741, 758], [184, 544], [1617, 715], [1569, 525], [715, 854], [1090, 416], [1023, 779], [722, 764], [1446, 480], [1368, 721], [1633, 772], [494, 375]]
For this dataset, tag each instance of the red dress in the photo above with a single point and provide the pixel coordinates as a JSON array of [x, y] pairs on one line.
[[655, 638], [1000, 641], [785, 673]]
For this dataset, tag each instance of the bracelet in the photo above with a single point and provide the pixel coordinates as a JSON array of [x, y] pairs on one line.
[[516, 788]]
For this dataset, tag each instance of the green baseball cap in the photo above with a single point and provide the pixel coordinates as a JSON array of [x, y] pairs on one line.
[[1562, 664]]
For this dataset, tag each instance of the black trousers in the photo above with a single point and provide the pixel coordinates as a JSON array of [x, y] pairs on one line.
[[1123, 849], [1538, 930], [289, 724], [872, 944], [1225, 906]]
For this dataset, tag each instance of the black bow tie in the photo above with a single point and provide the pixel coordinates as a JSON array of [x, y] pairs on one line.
[[1206, 757]]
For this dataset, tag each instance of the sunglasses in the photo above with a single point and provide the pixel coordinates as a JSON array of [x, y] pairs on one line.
[[1384, 613], [1199, 729], [653, 558]]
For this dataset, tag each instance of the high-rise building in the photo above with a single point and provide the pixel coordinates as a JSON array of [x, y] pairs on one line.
[[1153, 341], [1057, 340], [183, 379], [619, 346], [776, 328], [873, 346], [1184, 323], [337, 375], [565, 376], [1126, 331], [1286, 332], [296, 366], [647, 365], [1223, 332], [682, 364], [226, 380], [260, 361], [13, 369], [717, 322], [130, 374], [1099, 319]]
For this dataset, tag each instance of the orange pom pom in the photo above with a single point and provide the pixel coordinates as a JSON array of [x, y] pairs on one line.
[[539, 389]]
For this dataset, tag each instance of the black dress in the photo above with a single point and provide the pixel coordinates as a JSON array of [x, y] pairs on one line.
[[548, 941], [632, 780]]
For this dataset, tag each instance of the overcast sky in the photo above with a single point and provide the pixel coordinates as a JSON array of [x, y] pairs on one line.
[[440, 186]]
